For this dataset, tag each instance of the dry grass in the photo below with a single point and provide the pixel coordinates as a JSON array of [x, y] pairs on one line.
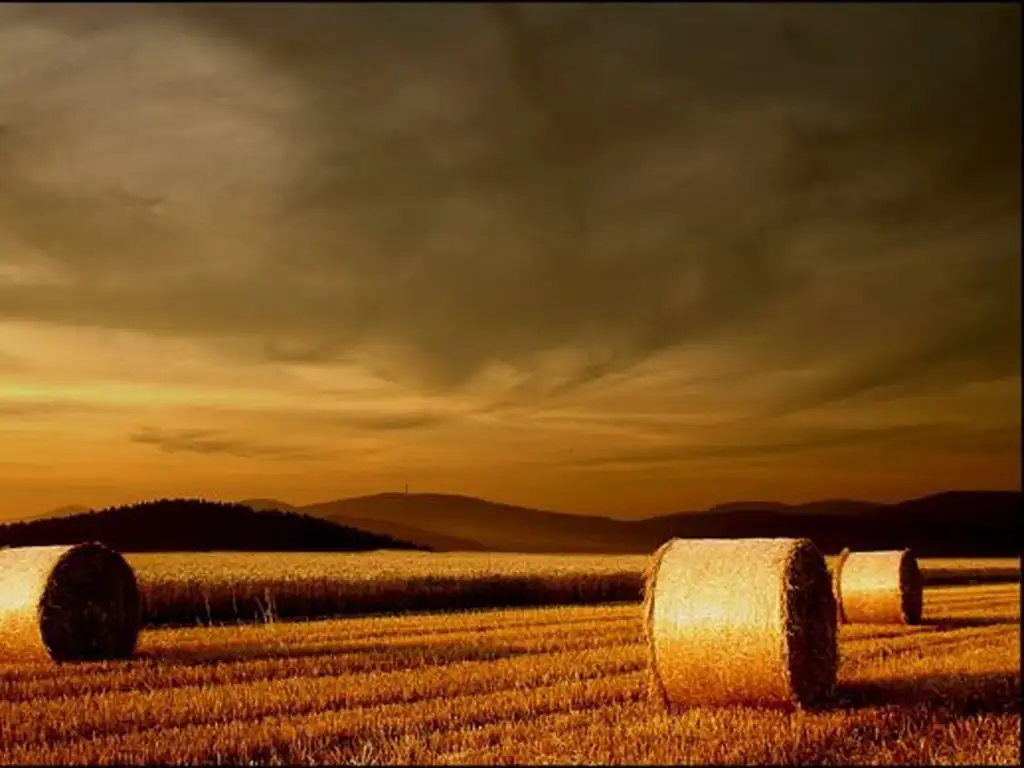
[[67, 603], [749, 621], [213, 587], [219, 587], [539, 685], [950, 571]]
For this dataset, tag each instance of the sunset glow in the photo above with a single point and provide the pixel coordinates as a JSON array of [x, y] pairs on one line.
[[227, 272]]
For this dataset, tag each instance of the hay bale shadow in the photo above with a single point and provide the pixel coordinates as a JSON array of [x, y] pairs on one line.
[[960, 695]]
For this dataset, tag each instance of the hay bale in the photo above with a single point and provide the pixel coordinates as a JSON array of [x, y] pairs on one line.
[[837, 587], [746, 621], [67, 603], [878, 588]]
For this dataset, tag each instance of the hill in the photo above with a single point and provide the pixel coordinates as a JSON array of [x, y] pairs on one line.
[[67, 511], [950, 524], [953, 524], [491, 525], [268, 505], [194, 525], [426, 538]]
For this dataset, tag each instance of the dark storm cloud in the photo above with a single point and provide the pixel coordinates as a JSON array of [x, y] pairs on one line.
[[810, 185], [214, 442]]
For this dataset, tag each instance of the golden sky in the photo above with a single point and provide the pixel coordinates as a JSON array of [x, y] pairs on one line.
[[611, 259]]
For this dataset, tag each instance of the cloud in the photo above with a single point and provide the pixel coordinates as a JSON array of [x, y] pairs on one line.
[[45, 408], [214, 442], [363, 420], [318, 415], [985, 353], [799, 441], [10, 363], [397, 422], [804, 185], [18, 466]]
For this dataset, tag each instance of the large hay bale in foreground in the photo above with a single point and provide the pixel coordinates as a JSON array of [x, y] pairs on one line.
[[878, 587], [745, 621], [67, 603]]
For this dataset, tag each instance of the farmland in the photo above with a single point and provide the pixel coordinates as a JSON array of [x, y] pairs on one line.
[[559, 684], [219, 587], [216, 587]]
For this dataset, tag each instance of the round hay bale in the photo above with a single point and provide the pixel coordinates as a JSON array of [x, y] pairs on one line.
[[67, 603], [837, 587], [745, 621], [879, 588]]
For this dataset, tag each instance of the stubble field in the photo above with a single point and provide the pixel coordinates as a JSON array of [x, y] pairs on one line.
[[535, 685]]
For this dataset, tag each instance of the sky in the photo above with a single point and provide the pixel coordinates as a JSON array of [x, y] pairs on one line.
[[618, 258]]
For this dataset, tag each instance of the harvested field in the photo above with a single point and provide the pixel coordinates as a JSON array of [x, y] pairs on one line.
[[939, 571], [228, 587], [536, 685], [211, 587]]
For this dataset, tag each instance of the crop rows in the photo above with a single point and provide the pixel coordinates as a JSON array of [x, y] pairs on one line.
[[218, 587], [187, 588], [951, 571], [536, 685]]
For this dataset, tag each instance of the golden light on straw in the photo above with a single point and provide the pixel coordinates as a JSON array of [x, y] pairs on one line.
[[748, 621], [878, 587]]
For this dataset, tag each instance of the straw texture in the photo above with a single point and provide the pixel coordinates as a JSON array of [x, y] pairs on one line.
[[67, 603], [837, 586], [878, 588], [747, 621]]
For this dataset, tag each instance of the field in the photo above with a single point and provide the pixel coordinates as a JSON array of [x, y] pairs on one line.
[[529, 685], [954, 571], [218, 587], [228, 587]]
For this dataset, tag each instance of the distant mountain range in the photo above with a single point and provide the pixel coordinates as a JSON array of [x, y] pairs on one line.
[[381, 525], [950, 524]]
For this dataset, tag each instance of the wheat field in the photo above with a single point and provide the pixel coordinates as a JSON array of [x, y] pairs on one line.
[[534, 685], [217, 587], [228, 587]]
